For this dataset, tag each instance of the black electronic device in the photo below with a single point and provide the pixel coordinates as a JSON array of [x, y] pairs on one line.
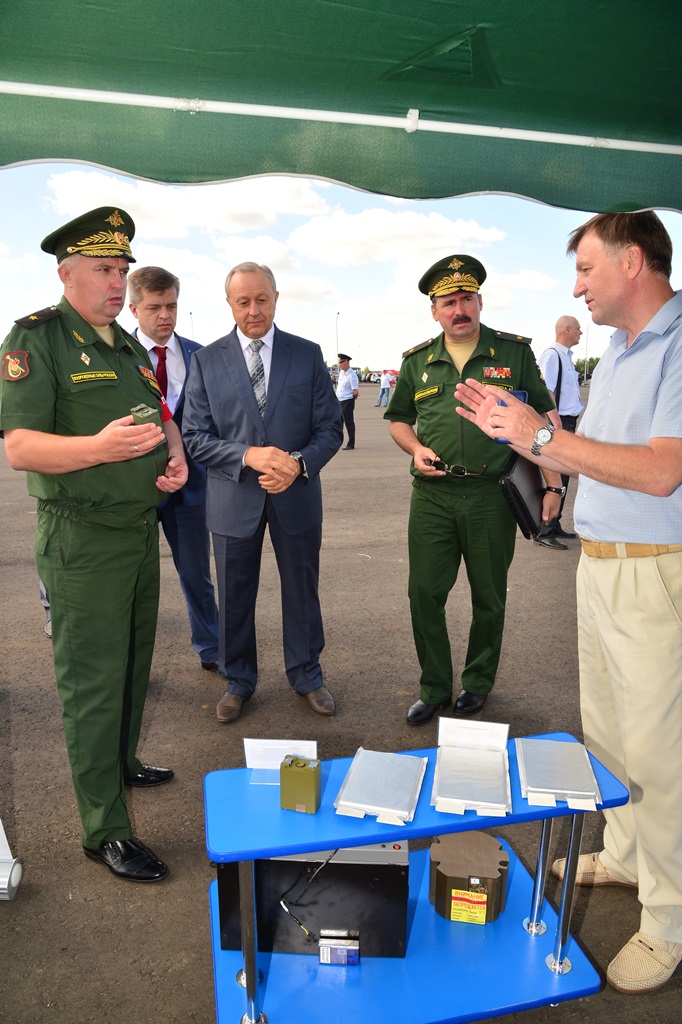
[[360, 889]]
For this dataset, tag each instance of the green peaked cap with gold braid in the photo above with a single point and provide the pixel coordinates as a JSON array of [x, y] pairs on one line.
[[453, 274], [105, 232]]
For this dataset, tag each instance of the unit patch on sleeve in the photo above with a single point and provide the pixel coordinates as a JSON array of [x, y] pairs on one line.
[[15, 365]]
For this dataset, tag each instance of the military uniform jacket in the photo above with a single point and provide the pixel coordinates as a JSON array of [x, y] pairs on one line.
[[59, 377], [424, 395]]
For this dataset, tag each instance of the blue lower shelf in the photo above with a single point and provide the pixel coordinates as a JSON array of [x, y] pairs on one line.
[[452, 971]]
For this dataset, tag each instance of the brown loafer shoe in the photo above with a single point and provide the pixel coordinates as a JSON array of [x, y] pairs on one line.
[[229, 707], [321, 701]]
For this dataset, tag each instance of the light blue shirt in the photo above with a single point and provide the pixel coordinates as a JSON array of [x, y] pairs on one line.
[[569, 393], [635, 394], [346, 384]]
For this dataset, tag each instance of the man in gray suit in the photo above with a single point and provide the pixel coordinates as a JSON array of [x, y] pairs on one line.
[[261, 415]]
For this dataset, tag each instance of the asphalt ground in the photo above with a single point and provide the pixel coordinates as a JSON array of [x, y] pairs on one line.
[[77, 946]]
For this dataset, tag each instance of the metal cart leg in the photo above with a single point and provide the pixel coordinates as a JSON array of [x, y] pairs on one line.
[[249, 976], [556, 961], [533, 924]]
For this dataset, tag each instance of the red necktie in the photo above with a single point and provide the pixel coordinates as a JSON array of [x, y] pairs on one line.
[[161, 374]]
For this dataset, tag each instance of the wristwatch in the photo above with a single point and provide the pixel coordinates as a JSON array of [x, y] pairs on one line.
[[299, 458], [556, 490], [542, 437]]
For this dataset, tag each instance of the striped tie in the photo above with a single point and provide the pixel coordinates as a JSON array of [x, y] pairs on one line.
[[257, 373]]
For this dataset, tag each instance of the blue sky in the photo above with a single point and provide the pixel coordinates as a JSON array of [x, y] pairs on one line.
[[346, 262]]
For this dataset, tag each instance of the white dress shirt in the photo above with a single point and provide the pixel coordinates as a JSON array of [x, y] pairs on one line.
[[265, 351], [175, 366]]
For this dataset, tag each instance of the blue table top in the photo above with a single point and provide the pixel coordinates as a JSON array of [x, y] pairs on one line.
[[246, 822]]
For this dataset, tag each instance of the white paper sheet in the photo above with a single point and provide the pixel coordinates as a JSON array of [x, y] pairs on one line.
[[265, 757]]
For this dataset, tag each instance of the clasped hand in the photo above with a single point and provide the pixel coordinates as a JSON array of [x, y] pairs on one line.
[[276, 468]]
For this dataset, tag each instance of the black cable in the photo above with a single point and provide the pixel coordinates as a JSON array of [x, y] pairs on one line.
[[285, 904]]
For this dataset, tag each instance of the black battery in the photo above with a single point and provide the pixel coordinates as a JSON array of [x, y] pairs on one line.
[[361, 889]]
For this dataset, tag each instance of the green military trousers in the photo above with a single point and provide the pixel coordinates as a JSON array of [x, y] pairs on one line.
[[449, 520], [103, 586]]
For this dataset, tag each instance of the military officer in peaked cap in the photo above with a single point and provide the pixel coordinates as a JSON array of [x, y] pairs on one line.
[[457, 508], [70, 377]]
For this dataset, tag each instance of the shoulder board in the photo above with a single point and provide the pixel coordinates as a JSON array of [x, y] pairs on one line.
[[512, 337], [418, 348], [49, 313]]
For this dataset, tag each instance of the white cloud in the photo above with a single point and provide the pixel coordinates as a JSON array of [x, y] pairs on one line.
[[173, 211], [233, 249], [306, 289], [341, 239], [502, 291], [19, 265]]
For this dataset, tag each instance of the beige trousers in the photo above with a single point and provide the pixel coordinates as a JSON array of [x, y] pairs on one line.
[[630, 649]]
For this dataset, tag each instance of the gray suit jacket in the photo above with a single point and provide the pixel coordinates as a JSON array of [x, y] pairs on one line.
[[221, 420]]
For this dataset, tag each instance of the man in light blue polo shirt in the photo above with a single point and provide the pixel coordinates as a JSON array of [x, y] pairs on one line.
[[628, 513]]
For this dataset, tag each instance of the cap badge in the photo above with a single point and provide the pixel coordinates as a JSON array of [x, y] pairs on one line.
[[455, 265], [115, 220]]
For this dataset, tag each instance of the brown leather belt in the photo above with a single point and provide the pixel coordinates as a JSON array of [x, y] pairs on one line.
[[605, 549]]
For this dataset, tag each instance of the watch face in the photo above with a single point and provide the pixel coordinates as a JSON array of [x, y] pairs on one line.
[[543, 435]]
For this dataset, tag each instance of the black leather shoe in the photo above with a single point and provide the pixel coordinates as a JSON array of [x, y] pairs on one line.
[[129, 859], [150, 776], [469, 703], [210, 666], [349, 448], [559, 532], [551, 542], [420, 712]]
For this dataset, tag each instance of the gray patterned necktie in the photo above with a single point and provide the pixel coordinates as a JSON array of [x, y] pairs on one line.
[[257, 373]]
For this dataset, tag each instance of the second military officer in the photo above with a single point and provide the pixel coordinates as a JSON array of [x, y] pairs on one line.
[[457, 507]]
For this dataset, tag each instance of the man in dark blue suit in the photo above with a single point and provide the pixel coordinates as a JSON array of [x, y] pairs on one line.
[[261, 415], [153, 294]]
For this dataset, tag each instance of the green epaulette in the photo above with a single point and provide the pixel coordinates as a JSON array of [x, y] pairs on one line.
[[418, 348], [512, 337], [49, 313]]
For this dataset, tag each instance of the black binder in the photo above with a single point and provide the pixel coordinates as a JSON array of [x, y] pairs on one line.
[[523, 486]]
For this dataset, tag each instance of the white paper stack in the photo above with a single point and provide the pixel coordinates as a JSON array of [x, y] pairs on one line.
[[386, 785], [472, 768], [552, 770]]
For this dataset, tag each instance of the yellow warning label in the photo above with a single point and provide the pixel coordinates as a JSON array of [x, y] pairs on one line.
[[469, 907]]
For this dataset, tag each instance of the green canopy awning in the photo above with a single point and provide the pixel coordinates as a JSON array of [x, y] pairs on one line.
[[572, 102]]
